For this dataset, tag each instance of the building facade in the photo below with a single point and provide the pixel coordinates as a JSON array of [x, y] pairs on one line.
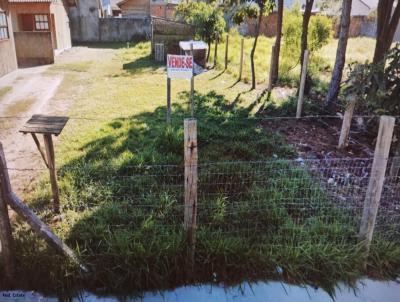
[[41, 30], [8, 59]]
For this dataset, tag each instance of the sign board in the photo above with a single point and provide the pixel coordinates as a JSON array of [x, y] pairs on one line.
[[179, 67]]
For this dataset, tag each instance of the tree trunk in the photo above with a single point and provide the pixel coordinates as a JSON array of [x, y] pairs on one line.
[[386, 27], [275, 66], [304, 39], [253, 50], [340, 54]]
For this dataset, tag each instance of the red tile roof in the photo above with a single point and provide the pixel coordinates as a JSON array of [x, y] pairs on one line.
[[30, 1]]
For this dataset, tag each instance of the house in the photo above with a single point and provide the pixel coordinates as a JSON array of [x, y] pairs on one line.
[[134, 8], [8, 58], [41, 30], [110, 8], [146, 8], [359, 8]]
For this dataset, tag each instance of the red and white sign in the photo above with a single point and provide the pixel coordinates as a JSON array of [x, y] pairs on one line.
[[179, 67]]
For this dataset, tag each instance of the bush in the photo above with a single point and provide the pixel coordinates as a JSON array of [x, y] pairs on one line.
[[319, 35], [207, 19]]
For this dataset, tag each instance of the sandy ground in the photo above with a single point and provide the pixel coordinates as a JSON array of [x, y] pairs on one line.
[[33, 91], [31, 94]]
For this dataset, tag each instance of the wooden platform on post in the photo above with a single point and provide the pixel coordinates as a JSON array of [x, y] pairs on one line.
[[47, 126]]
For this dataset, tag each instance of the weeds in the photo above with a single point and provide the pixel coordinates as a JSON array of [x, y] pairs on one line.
[[121, 185]]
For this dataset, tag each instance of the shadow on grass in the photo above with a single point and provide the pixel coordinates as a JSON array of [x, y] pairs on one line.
[[218, 75], [105, 45], [145, 62]]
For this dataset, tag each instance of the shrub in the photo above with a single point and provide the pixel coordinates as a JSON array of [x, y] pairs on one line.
[[207, 19], [319, 35]]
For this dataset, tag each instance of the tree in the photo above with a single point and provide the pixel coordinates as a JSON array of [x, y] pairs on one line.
[[334, 85], [304, 36], [387, 21], [207, 19], [275, 64], [255, 9]]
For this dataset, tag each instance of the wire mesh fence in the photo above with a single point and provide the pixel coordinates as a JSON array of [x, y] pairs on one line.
[[274, 202], [320, 200]]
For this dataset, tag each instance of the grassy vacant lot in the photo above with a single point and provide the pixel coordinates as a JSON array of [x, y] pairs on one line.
[[124, 218], [359, 50]]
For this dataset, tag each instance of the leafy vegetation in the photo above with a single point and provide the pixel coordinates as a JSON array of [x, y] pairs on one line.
[[319, 35], [207, 19], [255, 9], [121, 183]]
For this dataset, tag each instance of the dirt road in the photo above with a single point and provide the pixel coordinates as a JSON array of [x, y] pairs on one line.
[[30, 93]]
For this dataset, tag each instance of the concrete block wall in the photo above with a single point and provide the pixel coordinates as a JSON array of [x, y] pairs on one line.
[[368, 29], [85, 21], [28, 51], [124, 29]]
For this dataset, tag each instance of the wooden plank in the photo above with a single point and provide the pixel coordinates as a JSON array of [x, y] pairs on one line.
[[190, 209], [192, 84], [191, 158], [241, 59], [6, 239], [302, 84], [42, 229], [168, 100], [48, 142], [345, 131], [216, 50], [37, 143], [45, 124], [376, 180], [226, 51]]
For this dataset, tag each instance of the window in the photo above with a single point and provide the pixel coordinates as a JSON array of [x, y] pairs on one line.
[[41, 22], [3, 26]]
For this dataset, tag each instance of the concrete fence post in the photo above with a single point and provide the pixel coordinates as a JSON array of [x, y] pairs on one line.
[[302, 84], [376, 180], [345, 131]]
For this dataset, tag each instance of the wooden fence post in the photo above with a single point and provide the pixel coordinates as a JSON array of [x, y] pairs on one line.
[[191, 157], [6, 240], [241, 59], [271, 69], [377, 177], [302, 84], [345, 131], [216, 50], [168, 100], [48, 143], [192, 84], [226, 51], [30, 217]]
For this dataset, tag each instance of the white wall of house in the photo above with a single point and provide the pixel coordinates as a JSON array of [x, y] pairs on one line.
[[359, 8]]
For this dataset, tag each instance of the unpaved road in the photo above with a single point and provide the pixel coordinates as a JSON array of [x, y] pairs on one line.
[[32, 91], [30, 94]]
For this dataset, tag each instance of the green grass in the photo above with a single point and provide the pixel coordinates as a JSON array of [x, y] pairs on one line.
[[19, 106], [4, 91], [321, 62], [124, 218]]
